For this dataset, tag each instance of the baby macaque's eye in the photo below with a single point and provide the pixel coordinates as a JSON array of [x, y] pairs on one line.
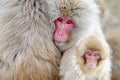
[[96, 54]]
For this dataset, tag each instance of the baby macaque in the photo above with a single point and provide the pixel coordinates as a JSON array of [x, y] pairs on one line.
[[75, 20], [89, 59]]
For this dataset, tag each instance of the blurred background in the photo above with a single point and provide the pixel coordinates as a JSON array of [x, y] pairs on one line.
[[112, 31], [112, 26]]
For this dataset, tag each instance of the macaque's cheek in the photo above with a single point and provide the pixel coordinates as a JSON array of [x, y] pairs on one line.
[[91, 63], [60, 37]]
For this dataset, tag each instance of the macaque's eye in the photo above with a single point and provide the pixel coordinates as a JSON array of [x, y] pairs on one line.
[[88, 53], [69, 22], [96, 54], [60, 19]]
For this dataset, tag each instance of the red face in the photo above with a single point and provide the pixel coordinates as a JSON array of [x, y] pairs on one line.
[[92, 57], [63, 27]]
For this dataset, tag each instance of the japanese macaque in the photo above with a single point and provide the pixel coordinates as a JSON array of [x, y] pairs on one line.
[[114, 42], [27, 51], [73, 20], [89, 59]]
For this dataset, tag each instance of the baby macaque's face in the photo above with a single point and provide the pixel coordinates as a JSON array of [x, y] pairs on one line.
[[92, 58]]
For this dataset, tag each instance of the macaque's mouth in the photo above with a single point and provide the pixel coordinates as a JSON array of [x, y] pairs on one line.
[[60, 38]]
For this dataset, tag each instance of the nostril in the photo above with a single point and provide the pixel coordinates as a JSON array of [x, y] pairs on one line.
[[61, 33]]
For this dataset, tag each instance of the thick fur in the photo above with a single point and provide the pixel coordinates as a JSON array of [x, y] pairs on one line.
[[85, 14], [73, 67], [27, 51], [114, 42]]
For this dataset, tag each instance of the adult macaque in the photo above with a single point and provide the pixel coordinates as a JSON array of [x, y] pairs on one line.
[[73, 20], [27, 51], [89, 59]]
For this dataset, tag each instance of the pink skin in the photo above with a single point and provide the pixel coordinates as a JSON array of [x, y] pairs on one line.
[[63, 27], [92, 58]]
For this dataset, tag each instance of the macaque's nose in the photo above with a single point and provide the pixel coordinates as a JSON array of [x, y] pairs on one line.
[[62, 30]]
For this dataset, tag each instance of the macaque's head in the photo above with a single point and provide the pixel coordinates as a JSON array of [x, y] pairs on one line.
[[92, 52], [91, 58], [63, 28]]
